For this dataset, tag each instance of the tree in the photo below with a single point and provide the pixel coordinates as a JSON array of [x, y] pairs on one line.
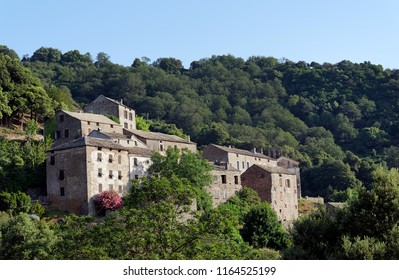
[[49, 55], [25, 239], [262, 229]]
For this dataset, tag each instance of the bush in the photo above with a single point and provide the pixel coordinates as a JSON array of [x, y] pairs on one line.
[[108, 200], [37, 209], [18, 202]]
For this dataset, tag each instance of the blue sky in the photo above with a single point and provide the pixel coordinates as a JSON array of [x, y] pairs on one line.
[[309, 30]]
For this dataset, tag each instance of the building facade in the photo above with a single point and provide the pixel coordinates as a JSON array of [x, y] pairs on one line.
[[79, 170], [106, 106], [238, 158], [277, 186], [226, 183]]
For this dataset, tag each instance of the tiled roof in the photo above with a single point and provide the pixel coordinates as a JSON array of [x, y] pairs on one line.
[[275, 169], [90, 117], [141, 151], [89, 141], [158, 136], [222, 167], [241, 152]]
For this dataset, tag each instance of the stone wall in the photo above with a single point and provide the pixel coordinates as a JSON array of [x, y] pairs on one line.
[[279, 189], [67, 180], [226, 184], [161, 145], [108, 169]]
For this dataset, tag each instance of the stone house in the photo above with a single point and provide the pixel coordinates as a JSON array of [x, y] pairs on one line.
[[160, 142], [227, 182], [276, 185], [125, 140], [79, 170], [292, 165], [240, 159], [71, 125], [106, 106]]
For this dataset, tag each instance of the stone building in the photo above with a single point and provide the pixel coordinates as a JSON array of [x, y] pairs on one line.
[[227, 182], [125, 140], [79, 170], [71, 125], [292, 165], [240, 159], [106, 106], [160, 142], [276, 185]]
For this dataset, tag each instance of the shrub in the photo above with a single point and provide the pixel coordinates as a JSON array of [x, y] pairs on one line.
[[109, 200]]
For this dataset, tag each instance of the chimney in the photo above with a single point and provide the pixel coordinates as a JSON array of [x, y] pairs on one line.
[[261, 151], [188, 138], [230, 146], [254, 150], [226, 165], [121, 101]]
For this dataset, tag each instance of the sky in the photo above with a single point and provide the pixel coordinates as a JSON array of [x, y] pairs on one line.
[[189, 30]]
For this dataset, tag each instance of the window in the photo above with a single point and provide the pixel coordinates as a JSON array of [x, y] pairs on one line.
[[97, 124], [100, 172], [136, 177], [130, 116], [224, 194], [120, 189], [88, 123], [111, 125], [125, 114], [110, 174], [236, 180], [62, 175], [62, 191], [224, 180], [61, 118], [217, 193], [135, 143], [125, 125], [128, 141], [111, 187], [110, 158], [161, 147], [243, 165], [99, 156], [52, 160], [119, 159], [237, 155], [100, 188], [99, 148], [66, 133], [238, 164], [57, 134], [288, 183], [135, 162], [247, 164], [120, 175]]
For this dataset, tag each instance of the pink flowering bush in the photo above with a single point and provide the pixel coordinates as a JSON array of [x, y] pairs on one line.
[[109, 200]]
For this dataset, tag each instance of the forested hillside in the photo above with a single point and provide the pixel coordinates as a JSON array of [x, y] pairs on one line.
[[338, 120]]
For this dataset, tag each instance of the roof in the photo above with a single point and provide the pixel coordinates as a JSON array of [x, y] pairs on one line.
[[90, 117], [89, 141], [114, 101], [241, 152], [141, 151], [275, 169], [289, 159], [159, 136]]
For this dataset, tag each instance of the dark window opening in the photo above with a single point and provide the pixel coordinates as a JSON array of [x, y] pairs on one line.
[[62, 191], [120, 175], [61, 118], [100, 172], [66, 133], [52, 160], [57, 134], [136, 177], [110, 159], [135, 163], [62, 175], [224, 179], [110, 174], [236, 180]]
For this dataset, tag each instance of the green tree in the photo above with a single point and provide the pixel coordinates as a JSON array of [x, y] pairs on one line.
[[262, 229]]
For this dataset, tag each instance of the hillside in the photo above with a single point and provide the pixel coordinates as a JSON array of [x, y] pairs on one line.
[[339, 120]]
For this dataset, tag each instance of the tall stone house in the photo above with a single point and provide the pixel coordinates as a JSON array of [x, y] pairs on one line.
[[106, 106], [276, 185]]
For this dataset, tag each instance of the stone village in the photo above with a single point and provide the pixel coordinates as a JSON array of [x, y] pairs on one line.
[[92, 153]]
